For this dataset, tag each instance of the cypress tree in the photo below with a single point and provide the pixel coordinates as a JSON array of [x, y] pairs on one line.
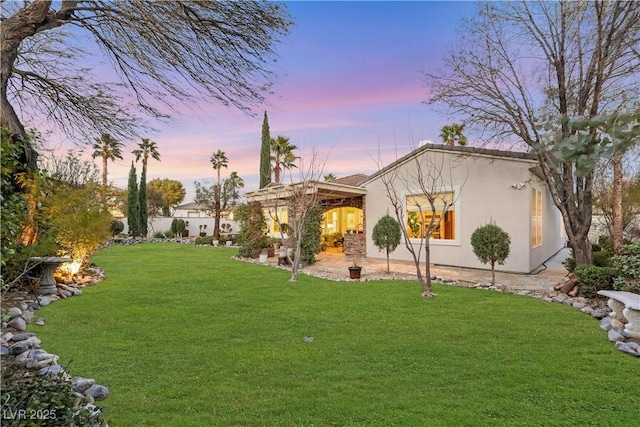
[[265, 154], [133, 211], [142, 203]]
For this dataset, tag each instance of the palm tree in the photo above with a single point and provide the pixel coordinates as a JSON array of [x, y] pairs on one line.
[[330, 177], [145, 149], [452, 133], [109, 149], [219, 160], [282, 156]]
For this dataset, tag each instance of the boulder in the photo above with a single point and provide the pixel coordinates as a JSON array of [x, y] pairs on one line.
[[628, 348], [18, 323], [98, 392]]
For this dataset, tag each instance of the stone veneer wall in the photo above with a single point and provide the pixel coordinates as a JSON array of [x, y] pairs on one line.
[[355, 244]]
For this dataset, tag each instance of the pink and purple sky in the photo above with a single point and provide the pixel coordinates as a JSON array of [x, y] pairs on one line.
[[350, 86]]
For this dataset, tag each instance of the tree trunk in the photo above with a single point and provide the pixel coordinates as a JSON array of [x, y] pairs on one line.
[[493, 273], [581, 250], [388, 269], [104, 171], [426, 279], [617, 201], [34, 18]]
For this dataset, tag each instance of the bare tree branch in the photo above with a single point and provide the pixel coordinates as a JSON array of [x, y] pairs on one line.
[[522, 66]]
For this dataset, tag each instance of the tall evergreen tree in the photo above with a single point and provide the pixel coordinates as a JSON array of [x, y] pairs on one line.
[[133, 210], [145, 149], [265, 153], [142, 203]]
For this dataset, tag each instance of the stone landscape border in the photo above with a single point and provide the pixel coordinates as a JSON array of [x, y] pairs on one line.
[[22, 349]]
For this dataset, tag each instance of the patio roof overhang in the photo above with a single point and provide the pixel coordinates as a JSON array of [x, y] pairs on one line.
[[327, 193]]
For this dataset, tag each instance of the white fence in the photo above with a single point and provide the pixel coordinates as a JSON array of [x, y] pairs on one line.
[[161, 223]]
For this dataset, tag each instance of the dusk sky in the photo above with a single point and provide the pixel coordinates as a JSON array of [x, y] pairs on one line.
[[350, 86]]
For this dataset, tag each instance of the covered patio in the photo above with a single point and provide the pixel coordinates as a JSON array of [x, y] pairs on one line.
[[328, 194]]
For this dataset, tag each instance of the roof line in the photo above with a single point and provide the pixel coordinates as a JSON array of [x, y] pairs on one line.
[[456, 149]]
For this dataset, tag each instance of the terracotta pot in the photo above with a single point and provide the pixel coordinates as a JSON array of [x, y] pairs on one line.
[[354, 272]]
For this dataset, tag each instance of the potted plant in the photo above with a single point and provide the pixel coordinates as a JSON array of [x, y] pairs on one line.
[[356, 269], [266, 246]]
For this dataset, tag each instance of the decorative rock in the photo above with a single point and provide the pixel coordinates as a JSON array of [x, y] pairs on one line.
[[605, 323], [615, 334], [39, 322], [560, 298], [615, 323], [568, 301], [628, 347], [18, 323], [14, 312], [22, 336], [52, 370], [27, 316], [39, 354], [98, 392], [82, 384], [33, 342], [19, 347], [34, 305], [4, 351], [598, 313], [578, 305], [587, 310], [22, 359]]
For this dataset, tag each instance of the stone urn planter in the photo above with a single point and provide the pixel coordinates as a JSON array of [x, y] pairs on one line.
[[49, 264]]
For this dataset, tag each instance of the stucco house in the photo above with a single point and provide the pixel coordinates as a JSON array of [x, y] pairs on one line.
[[477, 185]]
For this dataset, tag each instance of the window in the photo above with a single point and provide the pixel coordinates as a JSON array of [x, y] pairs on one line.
[[536, 218], [422, 218]]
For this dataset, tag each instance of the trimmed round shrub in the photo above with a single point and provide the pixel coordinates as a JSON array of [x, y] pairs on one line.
[[492, 245]]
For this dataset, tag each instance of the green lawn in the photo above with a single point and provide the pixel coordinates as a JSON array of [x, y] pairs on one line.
[[186, 336]]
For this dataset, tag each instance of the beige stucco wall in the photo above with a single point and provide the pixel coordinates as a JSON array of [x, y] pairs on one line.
[[485, 194]]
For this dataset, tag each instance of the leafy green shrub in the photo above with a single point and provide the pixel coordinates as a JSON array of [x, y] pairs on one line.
[[14, 205], [592, 279], [570, 262], [311, 231], [602, 259], [206, 240], [159, 234], [491, 244], [177, 227], [627, 262], [42, 401], [252, 223]]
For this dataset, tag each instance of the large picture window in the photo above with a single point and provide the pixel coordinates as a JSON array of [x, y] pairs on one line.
[[536, 218], [421, 217]]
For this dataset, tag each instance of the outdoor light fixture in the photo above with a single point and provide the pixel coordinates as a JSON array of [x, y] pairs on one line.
[[518, 185]]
